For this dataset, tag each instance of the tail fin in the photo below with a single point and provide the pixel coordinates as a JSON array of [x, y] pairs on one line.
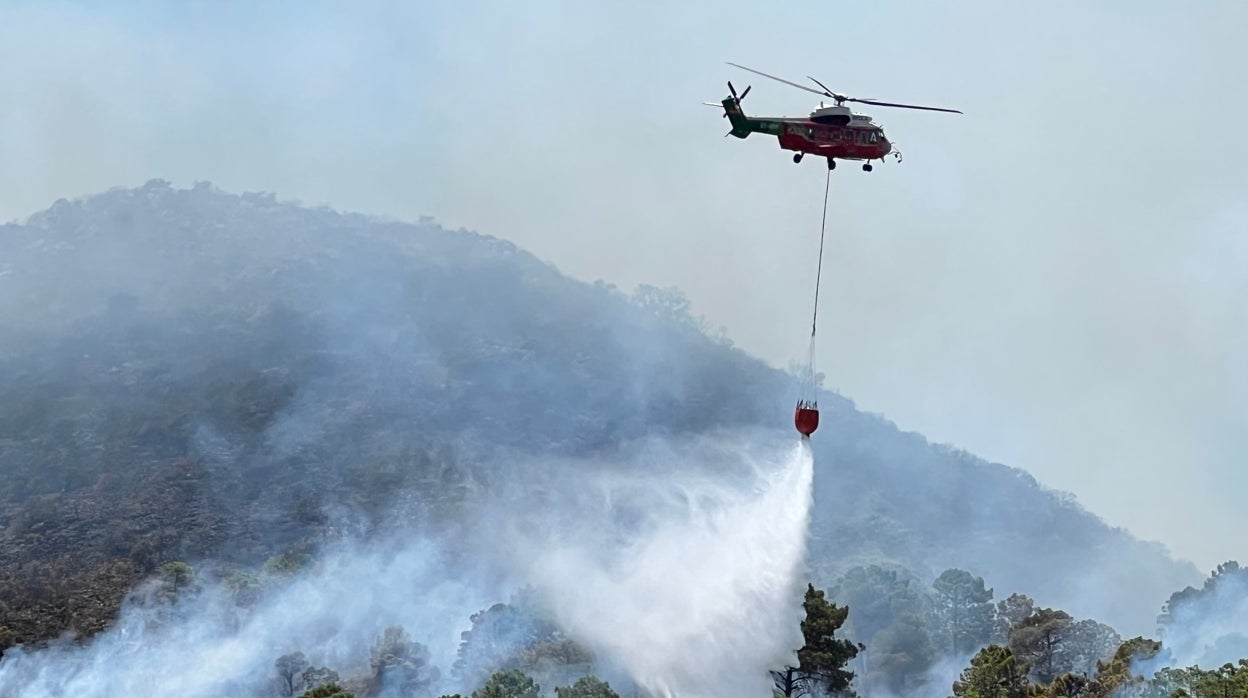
[[740, 123]]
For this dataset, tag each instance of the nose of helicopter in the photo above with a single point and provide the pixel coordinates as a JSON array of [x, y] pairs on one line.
[[886, 146]]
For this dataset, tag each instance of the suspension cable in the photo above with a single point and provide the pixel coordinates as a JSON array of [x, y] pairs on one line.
[[823, 226]]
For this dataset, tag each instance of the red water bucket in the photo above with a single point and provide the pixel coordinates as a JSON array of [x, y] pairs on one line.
[[806, 418]]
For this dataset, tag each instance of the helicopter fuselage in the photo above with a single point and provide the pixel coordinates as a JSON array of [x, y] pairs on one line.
[[836, 141], [831, 132]]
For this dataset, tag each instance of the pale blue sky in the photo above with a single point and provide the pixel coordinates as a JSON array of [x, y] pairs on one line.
[[1054, 280]]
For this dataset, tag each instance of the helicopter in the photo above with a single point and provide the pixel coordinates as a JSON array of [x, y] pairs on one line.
[[832, 131]]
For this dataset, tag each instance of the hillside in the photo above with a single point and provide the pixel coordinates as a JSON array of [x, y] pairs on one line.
[[189, 374]]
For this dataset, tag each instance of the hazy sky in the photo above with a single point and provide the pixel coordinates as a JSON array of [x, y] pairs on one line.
[[1054, 280]]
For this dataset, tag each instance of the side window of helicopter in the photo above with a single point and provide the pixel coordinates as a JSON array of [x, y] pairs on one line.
[[875, 137]]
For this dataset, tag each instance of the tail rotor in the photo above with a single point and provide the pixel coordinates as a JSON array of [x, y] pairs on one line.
[[732, 110], [736, 98]]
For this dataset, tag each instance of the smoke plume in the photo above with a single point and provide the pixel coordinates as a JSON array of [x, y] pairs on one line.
[[686, 583]]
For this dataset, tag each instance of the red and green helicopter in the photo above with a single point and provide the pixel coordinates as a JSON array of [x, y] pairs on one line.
[[833, 132]]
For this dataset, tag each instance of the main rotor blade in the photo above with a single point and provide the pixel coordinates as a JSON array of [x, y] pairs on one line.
[[773, 77], [903, 106], [830, 93]]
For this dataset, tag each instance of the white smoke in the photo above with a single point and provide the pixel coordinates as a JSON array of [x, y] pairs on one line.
[[702, 600], [208, 647], [683, 572], [1210, 629]]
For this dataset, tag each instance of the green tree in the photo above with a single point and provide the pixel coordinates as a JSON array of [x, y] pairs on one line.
[[667, 303], [879, 596], [821, 660], [290, 668], [510, 683], [1084, 646], [1067, 685], [314, 677], [330, 690], [1226, 573], [1115, 677], [176, 576], [1010, 612], [1037, 640], [175, 580], [401, 664], [244, 587], [994, 673], [587, 687], [287, 564], [1168, 682], [901, 654], [1195, 611], [517, 635], [963, 609], [1226, 681]]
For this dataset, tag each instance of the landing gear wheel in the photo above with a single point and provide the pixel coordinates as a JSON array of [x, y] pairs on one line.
[[797, 157], [866, 167], [831, 164]]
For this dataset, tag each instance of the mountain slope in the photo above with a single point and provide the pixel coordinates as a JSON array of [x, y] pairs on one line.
[[187, 374]]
